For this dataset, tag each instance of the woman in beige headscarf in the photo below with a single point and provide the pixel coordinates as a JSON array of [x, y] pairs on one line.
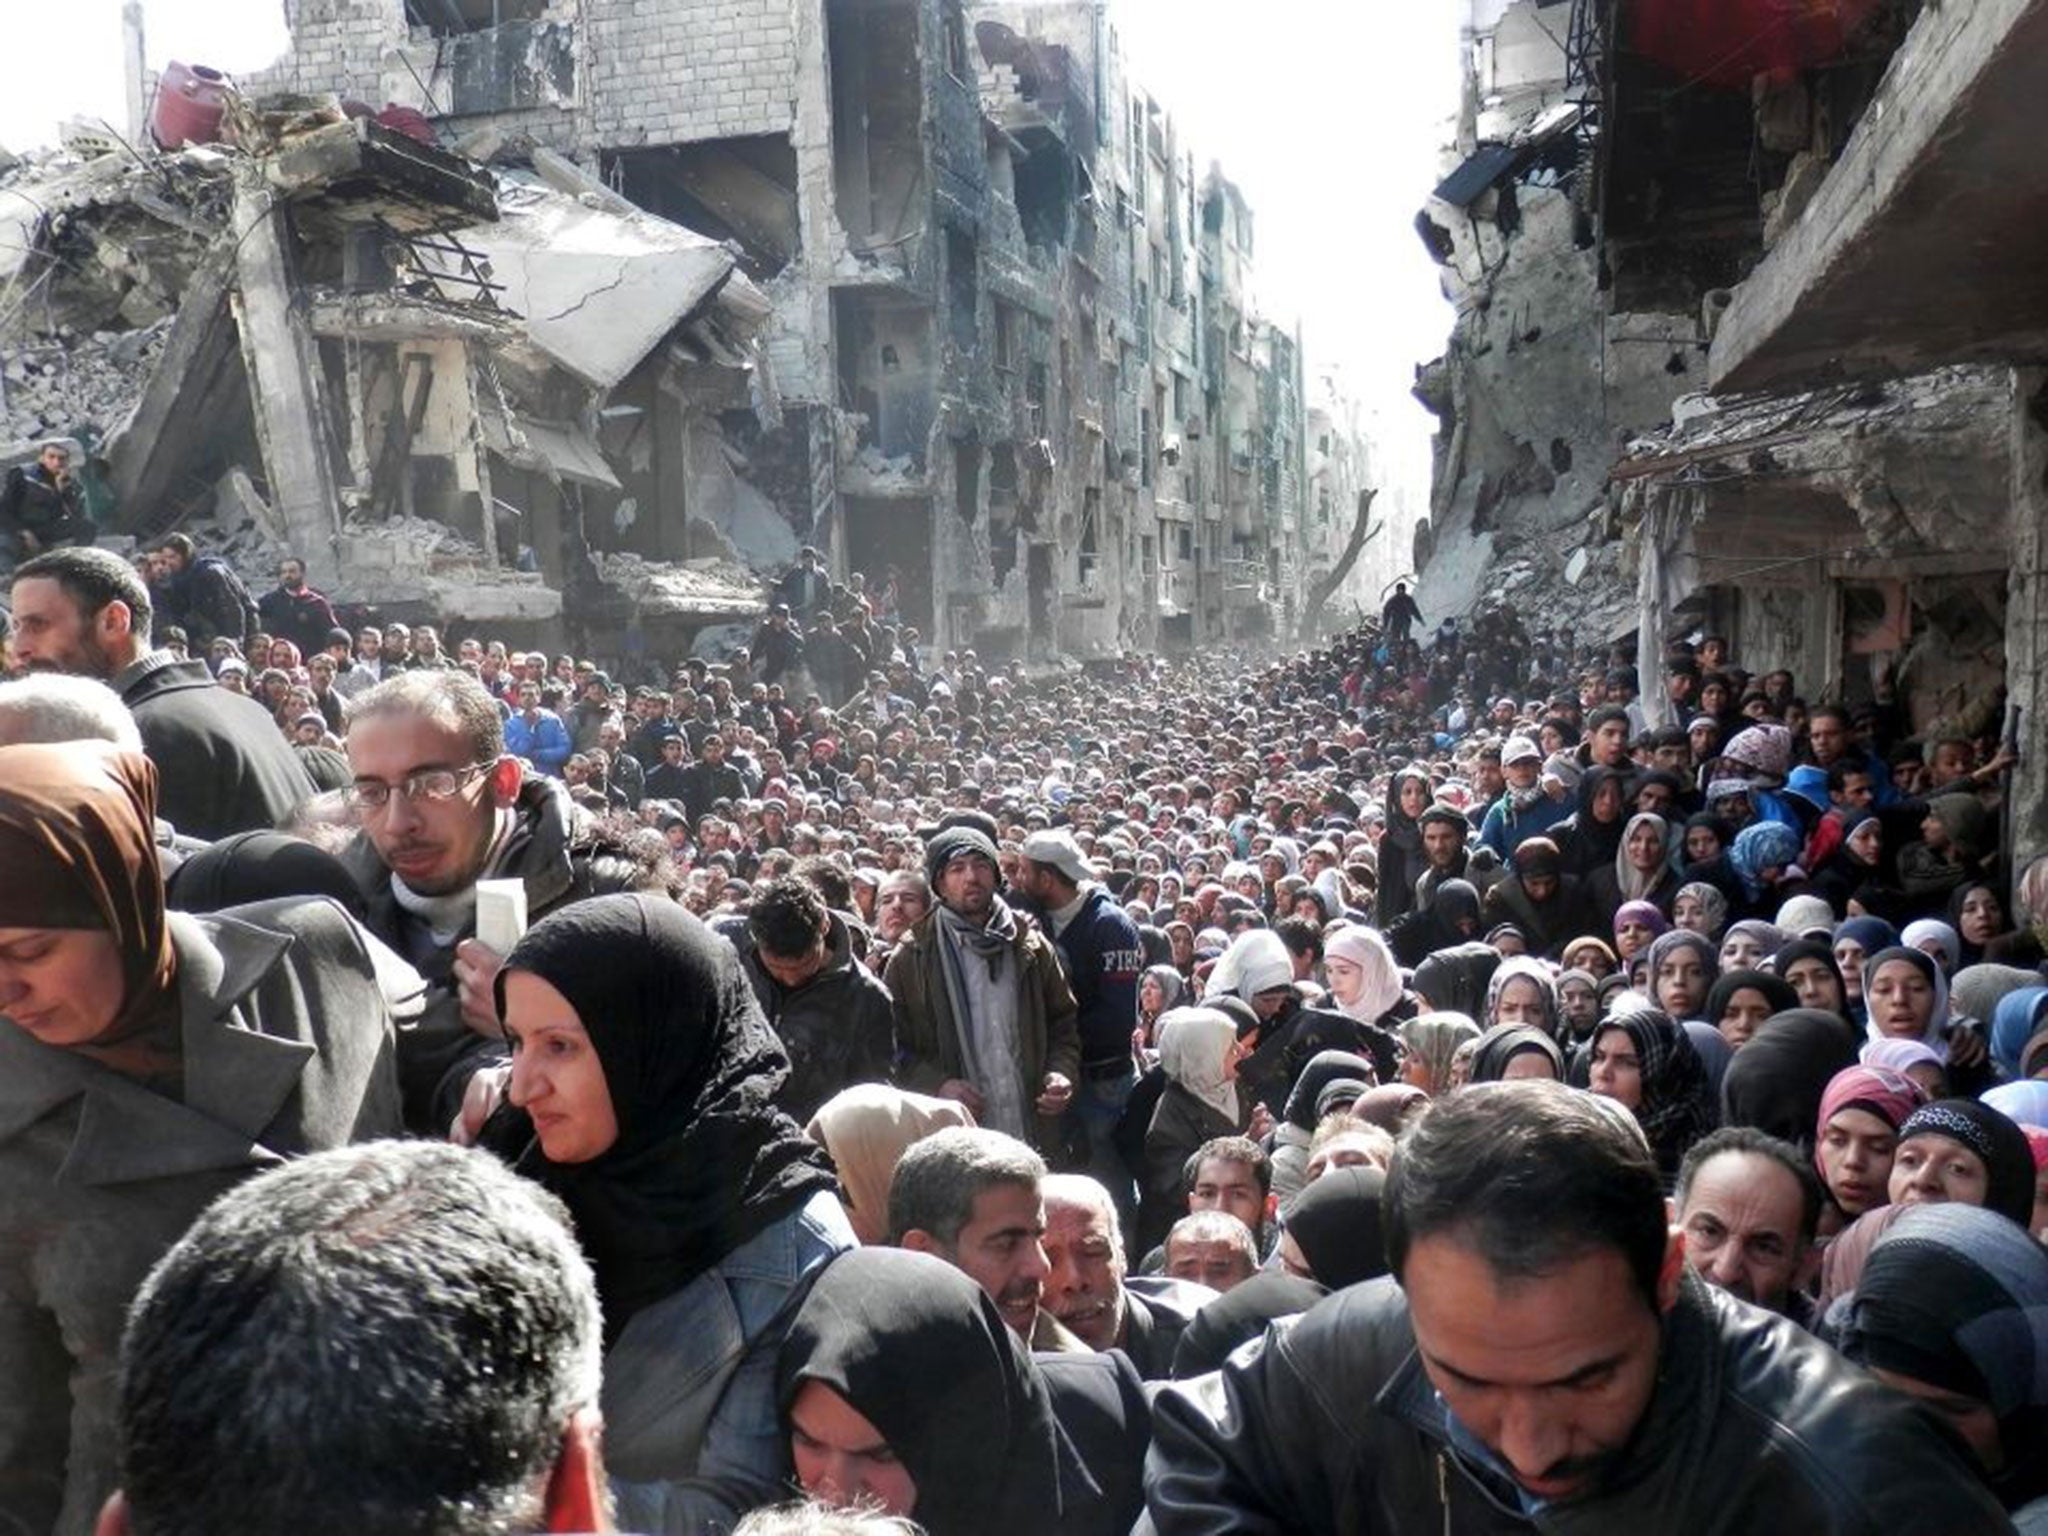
[[867, 1128]]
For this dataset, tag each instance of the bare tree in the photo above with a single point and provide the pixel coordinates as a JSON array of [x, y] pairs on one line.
[[1363, 532]]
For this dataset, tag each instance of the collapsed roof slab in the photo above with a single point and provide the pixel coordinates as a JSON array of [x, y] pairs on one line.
[[358, 172], [1926, 243], [597, 290]]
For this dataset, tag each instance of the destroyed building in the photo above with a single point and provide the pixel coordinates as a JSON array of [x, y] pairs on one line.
[[982, 321], [1750, 340]]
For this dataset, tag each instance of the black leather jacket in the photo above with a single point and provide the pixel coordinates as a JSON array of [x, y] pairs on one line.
[[1330, 1425]]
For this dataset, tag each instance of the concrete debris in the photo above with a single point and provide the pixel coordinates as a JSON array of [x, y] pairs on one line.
[[598, 288], [89, 383], [699, 589]]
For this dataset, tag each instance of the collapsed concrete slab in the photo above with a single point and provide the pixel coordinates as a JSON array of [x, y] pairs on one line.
[[597, 290]]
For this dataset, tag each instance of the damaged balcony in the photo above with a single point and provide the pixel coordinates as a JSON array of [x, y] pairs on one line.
[[1925, 243]]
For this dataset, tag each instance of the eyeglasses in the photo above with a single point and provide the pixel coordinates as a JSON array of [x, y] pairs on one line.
[[431, 787]]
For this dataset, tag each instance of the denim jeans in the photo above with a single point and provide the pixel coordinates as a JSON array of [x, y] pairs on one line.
[[1097, 1107], [692, 1436]]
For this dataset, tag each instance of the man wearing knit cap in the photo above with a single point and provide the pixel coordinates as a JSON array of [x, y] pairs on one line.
[[983, 1013], [1103, 955]]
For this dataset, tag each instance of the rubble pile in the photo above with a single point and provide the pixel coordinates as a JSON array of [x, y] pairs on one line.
[[65, 387], [705, 587]]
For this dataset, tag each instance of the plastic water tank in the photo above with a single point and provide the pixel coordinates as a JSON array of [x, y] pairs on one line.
[[189, 101]]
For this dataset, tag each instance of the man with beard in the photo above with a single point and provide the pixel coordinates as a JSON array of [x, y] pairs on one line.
[[294, 611], [900, 905], [983, 1014], [1545, 1358], [1102, 953], [1444, 831], [444, 805], [222, 766]]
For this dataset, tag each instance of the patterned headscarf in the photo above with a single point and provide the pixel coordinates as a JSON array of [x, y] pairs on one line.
[[1760, 846], [1677, 1106]]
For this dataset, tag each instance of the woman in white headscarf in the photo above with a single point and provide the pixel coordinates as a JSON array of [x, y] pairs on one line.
[[1199, 1051], [1365, 983]]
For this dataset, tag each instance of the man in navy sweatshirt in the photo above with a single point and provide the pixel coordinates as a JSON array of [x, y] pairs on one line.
[[1103, 955]]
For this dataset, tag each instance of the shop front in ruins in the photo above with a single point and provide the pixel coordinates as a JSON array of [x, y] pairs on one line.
[[1851, 535]]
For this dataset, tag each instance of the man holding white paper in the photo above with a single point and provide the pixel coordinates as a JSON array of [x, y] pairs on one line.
[[445, 810]]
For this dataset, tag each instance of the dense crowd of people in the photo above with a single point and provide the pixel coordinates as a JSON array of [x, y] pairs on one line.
[[1411, 1084]]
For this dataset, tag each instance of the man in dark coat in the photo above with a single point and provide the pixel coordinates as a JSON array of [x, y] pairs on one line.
[[1542, 1357], [778, 644], [205, 596], [1102, 954], [41, 506], [443, 805], [831, 1014], [294, 611], [222, 764], [1088, 1291]]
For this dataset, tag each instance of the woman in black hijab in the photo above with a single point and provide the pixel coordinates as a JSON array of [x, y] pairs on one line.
[[648, 1075], [1536, 1052], [1776, 1081], [906, 1393], [1740, 1000], [1400, 849], [1452, 917], [262, 866], [1333, 1234]]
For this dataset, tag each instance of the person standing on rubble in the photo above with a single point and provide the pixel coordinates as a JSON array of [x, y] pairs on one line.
[[42, 507], [1399, 616], [294, 611], [206, 597]]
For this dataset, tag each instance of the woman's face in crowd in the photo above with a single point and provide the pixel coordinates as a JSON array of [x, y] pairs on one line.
[[1151, 996], [1743, 1016], [1607, 800], [1346, 978], [1901, 1000], [1849, 956], [1866, 843], [556, 1075], [1414, 797], [1580, 1004], [1931, 1169], [1525, 1064], [1982, 918], [1645, 849], [841, 1459], [1815, 984], [61, 985], [1856, 1151], [1713, 698], [1632, 938], [1681, 983], [1614, 1070], [1701, 845], [1689, 913], [1740, 952], [1520, 1002]]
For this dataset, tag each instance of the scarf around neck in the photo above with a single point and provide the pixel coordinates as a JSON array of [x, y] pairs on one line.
[[985, 1005]]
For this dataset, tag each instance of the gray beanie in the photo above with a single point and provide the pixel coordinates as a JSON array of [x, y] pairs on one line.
[[950, 844]]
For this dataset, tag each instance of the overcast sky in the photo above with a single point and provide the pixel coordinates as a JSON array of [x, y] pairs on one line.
[[1327, 113]]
